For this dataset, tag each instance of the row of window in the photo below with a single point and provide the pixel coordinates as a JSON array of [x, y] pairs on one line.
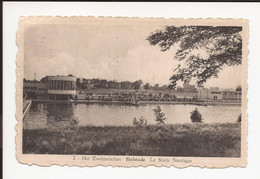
[[225, 93], [214, 92], [231, 93], [62, 85]]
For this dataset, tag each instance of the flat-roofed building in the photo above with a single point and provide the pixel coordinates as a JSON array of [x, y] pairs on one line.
[[214, 94], [210, 94], [232, 95], [35, 88], [61, 87]]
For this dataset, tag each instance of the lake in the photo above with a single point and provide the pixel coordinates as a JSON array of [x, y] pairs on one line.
[[42, 115]]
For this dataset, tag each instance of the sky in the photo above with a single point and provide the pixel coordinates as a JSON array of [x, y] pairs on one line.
[[114, 51]]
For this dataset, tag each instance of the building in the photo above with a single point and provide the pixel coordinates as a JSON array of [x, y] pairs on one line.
[[35, 88], [210, 94], [54, 87], [215, 94], [232, 95], [61, 87]]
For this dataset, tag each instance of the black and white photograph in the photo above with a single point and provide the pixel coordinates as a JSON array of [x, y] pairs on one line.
[[132, 91]]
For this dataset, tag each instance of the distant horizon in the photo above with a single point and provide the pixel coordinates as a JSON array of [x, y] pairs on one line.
[[160, 85]]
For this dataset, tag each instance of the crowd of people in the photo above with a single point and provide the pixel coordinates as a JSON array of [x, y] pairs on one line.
[[132, 96]]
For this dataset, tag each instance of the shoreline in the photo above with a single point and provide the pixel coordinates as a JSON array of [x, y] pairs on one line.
[[205, 103]]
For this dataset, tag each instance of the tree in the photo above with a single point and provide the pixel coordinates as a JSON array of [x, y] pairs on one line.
[[204, 49], [239, 88], [95, 82], [137, 84], [126, 84], [156, 87], [141, 122], [147, 86], [179, 89], [78, 83], [103, 84], [160, 116], [164, 87], [196, 116], [239, 118], [113, 84], [44, 79]]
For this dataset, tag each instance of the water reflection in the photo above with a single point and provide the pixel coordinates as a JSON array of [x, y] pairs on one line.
[[60, 114], [49, 114]]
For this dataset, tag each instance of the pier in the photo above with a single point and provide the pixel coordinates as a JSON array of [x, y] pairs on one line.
[[26, 106], [206, 103]]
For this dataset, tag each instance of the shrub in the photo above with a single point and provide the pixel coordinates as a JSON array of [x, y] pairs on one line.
[[239, 118], [196, 116], [160, 116], [141, 122], [74, 122]]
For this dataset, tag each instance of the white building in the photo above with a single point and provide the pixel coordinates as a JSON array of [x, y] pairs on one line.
[[61, 87], [210, 94], [214, 94]]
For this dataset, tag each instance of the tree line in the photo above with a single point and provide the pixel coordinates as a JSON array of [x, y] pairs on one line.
[[114, 84], [97, 83]]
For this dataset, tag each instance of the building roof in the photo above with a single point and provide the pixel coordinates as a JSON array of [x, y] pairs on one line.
[[65, 78]]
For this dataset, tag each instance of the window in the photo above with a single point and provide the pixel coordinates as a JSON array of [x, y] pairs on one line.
[[58, 85], [70, 85], [61, 83], [55, 84], [73, 86], [64, 85], [215, 92]]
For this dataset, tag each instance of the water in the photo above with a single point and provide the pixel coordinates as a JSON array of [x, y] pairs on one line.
[[43, 115]]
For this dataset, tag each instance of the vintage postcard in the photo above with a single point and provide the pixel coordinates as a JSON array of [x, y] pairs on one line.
[[132, 92]]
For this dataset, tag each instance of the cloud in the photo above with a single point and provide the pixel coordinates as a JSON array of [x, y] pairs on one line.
[[62, 64], [147, 63], [108, 51]]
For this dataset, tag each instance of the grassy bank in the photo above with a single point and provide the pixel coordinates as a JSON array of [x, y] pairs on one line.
[[204, 140]]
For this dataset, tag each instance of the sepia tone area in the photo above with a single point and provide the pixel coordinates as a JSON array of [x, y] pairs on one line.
[[129, 91]]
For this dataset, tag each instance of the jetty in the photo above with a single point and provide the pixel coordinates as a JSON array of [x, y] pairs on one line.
[[26, 106], [132, 103]]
